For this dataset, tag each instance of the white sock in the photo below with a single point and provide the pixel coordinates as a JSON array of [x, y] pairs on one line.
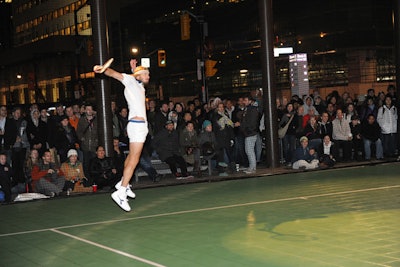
[[122, 191]]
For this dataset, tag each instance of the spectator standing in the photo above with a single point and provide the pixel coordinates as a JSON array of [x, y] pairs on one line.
[[331, 111], [319, 104], [151, 113], [87, 135], [3, 119], [36, 131], [223, 129], [342, 135], [115, 121], [358, 145], [387, 120], [289, 140], [239, 151], [250, 128], [369, 108], [325, 125], [161, 117], [350, 111], [123, 124], [17, 139], [371, 132], [312, 132], [72, 118], [65, 138]]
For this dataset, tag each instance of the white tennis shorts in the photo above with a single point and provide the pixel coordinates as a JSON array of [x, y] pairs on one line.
[[137, 131]]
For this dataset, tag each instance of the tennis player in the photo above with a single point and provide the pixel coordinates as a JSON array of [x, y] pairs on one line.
[[137, 127]]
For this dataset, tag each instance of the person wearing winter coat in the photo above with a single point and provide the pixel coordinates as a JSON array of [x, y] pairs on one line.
[[387, 120], [371, 133]]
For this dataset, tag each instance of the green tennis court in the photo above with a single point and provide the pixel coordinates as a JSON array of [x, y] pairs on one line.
[[340, 217]]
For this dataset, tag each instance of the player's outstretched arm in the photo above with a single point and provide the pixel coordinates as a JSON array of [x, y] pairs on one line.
[[108, 71]]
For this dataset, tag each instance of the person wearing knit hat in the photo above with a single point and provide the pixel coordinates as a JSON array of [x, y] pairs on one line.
[[137, 127], [75, 180], [206, 123], [72, 152]]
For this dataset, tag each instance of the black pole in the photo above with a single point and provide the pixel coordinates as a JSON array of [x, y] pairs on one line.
[[268, 82], [396, 30], [102, 85]]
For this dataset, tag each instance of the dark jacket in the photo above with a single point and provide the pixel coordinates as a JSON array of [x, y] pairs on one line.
[[250, 121], [10, 133], [166, 144], [223, 135], [370, 131], [159, 121], [101, 168], [312, 133], [87, 133], [303, 154], [326, 129], [293, 124], [37, 134], [6, 174], [64, 140]]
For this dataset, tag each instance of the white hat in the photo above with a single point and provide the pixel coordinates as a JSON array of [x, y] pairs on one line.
[[72, 152]]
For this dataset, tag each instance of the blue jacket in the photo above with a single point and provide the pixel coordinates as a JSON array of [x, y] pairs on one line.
[[303, 154]]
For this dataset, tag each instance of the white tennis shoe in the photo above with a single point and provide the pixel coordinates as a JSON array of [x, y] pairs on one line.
[[121, 201], [129, 191]]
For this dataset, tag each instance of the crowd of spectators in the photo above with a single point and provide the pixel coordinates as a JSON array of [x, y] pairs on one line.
[[339, 128], [60, 153]]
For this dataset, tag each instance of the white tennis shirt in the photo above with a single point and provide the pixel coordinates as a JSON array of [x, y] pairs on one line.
[[135, 96]]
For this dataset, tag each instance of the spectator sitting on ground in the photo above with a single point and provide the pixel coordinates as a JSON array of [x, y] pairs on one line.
[[46, 177], [371, 133], [166, 144], [304, 156], [75, 180], [328, 152], [102, 170], [6, 174]]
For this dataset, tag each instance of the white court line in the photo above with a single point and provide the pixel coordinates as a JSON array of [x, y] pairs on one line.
[[108, 248], [207, 209]]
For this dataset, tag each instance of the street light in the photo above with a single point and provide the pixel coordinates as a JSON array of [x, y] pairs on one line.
[[134, 50]]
